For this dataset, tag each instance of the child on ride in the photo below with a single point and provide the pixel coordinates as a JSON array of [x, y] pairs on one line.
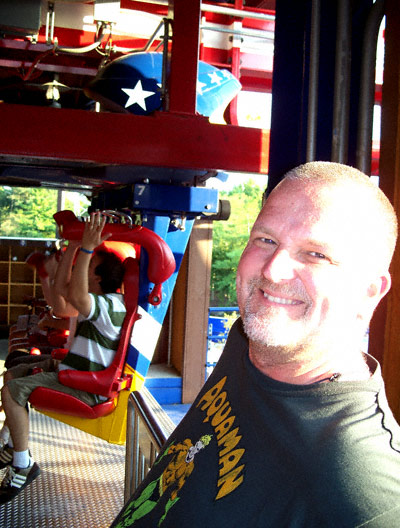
[[90, 287]]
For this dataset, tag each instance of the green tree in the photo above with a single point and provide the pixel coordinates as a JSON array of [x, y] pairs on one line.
[[28, 212], [76, 202], [229, 240]]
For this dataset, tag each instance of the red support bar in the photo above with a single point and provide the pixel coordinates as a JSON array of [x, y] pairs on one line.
[[184, 56], [162, 140]]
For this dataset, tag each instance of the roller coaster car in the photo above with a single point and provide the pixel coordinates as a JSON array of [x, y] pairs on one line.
[[116, 380]]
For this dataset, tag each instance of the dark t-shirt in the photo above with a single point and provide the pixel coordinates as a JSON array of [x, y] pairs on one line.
[[255, 452]]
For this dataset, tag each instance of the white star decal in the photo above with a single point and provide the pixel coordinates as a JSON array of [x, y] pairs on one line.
[[200, 86], [137, 95], [215, 78]]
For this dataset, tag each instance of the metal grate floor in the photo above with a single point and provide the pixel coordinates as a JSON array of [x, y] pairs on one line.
[[81, 484]]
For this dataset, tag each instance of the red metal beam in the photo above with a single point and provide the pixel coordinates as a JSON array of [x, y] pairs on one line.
[[162, 140], [184, 55], [156, 9]]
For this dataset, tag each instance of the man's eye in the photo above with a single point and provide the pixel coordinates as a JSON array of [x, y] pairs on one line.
[[317, 255], [265, 240]]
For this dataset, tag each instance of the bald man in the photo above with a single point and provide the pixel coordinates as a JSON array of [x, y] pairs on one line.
[[301, 435]]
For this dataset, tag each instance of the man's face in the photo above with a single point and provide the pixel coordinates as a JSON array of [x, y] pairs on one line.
[[301, 279]]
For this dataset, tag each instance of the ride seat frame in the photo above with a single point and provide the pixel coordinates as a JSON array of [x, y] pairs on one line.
[[108, 382]]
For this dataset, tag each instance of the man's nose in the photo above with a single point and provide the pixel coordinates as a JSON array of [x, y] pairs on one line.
[[280, 267]]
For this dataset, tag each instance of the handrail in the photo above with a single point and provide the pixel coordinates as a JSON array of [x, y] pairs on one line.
[[148, 428]]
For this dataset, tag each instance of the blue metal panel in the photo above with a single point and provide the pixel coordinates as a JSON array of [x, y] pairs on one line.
[[169, 211], [140, 362], [175, 199], [217, 329], [223, 309], [164, 382], [177, 240], [167, 395]]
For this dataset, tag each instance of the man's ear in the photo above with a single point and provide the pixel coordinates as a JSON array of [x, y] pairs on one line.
[[379, 288], [376, 290]]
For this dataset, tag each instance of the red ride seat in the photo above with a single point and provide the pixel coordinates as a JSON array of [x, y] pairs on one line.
[[110, 418], [107, 382]]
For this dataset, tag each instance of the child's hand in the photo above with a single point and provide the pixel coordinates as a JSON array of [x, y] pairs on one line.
[[92, 233]]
